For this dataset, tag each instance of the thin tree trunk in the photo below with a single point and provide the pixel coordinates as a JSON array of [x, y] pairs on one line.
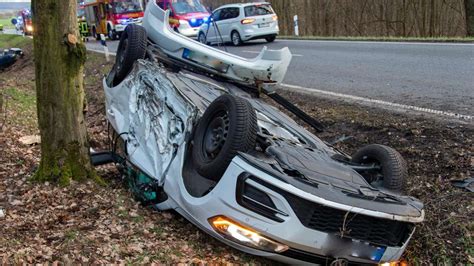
[[59, 63], [469, 7]]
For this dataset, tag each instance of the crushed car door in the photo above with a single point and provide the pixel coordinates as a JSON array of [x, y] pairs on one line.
[[158, 119]]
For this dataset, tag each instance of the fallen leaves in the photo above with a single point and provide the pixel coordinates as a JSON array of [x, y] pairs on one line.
[[85, 223]]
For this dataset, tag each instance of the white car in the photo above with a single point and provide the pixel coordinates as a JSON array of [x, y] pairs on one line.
[[238, 23], [241, 170]]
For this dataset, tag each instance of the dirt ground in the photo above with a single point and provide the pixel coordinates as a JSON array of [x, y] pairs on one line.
[[86, 223]]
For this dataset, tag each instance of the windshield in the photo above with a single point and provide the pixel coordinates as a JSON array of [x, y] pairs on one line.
[[187, 6], [81, 12], [126, 6], [258, 10]]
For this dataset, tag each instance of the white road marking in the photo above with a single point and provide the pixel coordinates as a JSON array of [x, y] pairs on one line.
[[361, 99], [378, 102], [255, 52], [101, 51], [380, 42]]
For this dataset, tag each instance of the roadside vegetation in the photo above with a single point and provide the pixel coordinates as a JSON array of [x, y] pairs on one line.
[[10, 40], [451, 18], [92, 224], [382, 39], [6, 23]]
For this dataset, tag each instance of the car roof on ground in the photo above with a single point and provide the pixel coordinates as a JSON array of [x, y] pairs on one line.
[[244, 4]]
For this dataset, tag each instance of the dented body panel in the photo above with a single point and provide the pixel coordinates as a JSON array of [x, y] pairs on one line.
[[155, 111]]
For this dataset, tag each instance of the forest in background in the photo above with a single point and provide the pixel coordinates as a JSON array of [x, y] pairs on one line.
[[398, 18]]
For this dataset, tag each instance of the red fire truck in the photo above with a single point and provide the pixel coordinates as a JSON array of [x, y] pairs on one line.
[[110, 17], [27, 27], [186, 16]]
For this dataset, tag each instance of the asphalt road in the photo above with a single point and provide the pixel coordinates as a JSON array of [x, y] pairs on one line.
[[438, 76]]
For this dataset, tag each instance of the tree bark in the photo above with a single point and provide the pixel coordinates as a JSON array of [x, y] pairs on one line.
[[469, 7], [59, 62]]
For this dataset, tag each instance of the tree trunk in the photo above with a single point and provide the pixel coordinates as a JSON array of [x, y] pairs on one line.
[[469, 7], [59, 63]]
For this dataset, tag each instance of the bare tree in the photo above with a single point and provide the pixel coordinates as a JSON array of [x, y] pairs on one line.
[[469, 8], [59, 63]]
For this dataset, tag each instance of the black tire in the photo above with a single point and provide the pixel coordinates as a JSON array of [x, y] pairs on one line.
[[270, 38], [228, 126], [202, 38], [111, 34], [393, 168], [235, 38], [95, 35], [132, 47]]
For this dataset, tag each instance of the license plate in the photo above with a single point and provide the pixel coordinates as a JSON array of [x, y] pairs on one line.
[[205, 60], [264, 25]]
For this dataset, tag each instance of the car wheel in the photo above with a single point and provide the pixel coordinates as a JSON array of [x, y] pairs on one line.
[[236, 40], [132, 47], [270, 39], [95, 35], [392, 168], [202, 38], [228, 126], [111, 34]]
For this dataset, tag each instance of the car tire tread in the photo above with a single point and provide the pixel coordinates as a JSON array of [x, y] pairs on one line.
[[241, 139], [394, 167]]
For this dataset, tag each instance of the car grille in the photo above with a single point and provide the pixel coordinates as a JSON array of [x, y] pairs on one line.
[[350, 225], [376, 231]]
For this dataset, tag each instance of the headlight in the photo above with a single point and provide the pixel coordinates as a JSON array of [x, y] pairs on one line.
[[122, 21], [394, 263], [184, 23], [245, 236], [29, 28]]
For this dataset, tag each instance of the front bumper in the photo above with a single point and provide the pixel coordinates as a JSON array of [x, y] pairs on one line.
[[306, 245]]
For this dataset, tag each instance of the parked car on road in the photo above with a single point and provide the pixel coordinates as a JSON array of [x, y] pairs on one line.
[[238, 23]]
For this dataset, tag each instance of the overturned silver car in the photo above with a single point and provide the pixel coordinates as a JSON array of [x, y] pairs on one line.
[[247, 174]]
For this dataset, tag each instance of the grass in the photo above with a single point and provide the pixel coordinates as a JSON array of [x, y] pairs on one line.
[[10, 40], [24, 105], [382, 39], [6, 22]]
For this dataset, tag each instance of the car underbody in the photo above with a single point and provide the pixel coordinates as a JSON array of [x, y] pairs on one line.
[[295, 177], [207, 145]]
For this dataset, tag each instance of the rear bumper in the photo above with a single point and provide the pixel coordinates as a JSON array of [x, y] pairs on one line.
[[270, 66], [253, 32]]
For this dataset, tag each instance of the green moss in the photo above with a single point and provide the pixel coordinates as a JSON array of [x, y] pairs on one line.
[[64, 166], [76, 58]]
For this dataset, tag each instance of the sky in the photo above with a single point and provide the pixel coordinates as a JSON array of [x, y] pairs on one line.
[[8, 6]]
